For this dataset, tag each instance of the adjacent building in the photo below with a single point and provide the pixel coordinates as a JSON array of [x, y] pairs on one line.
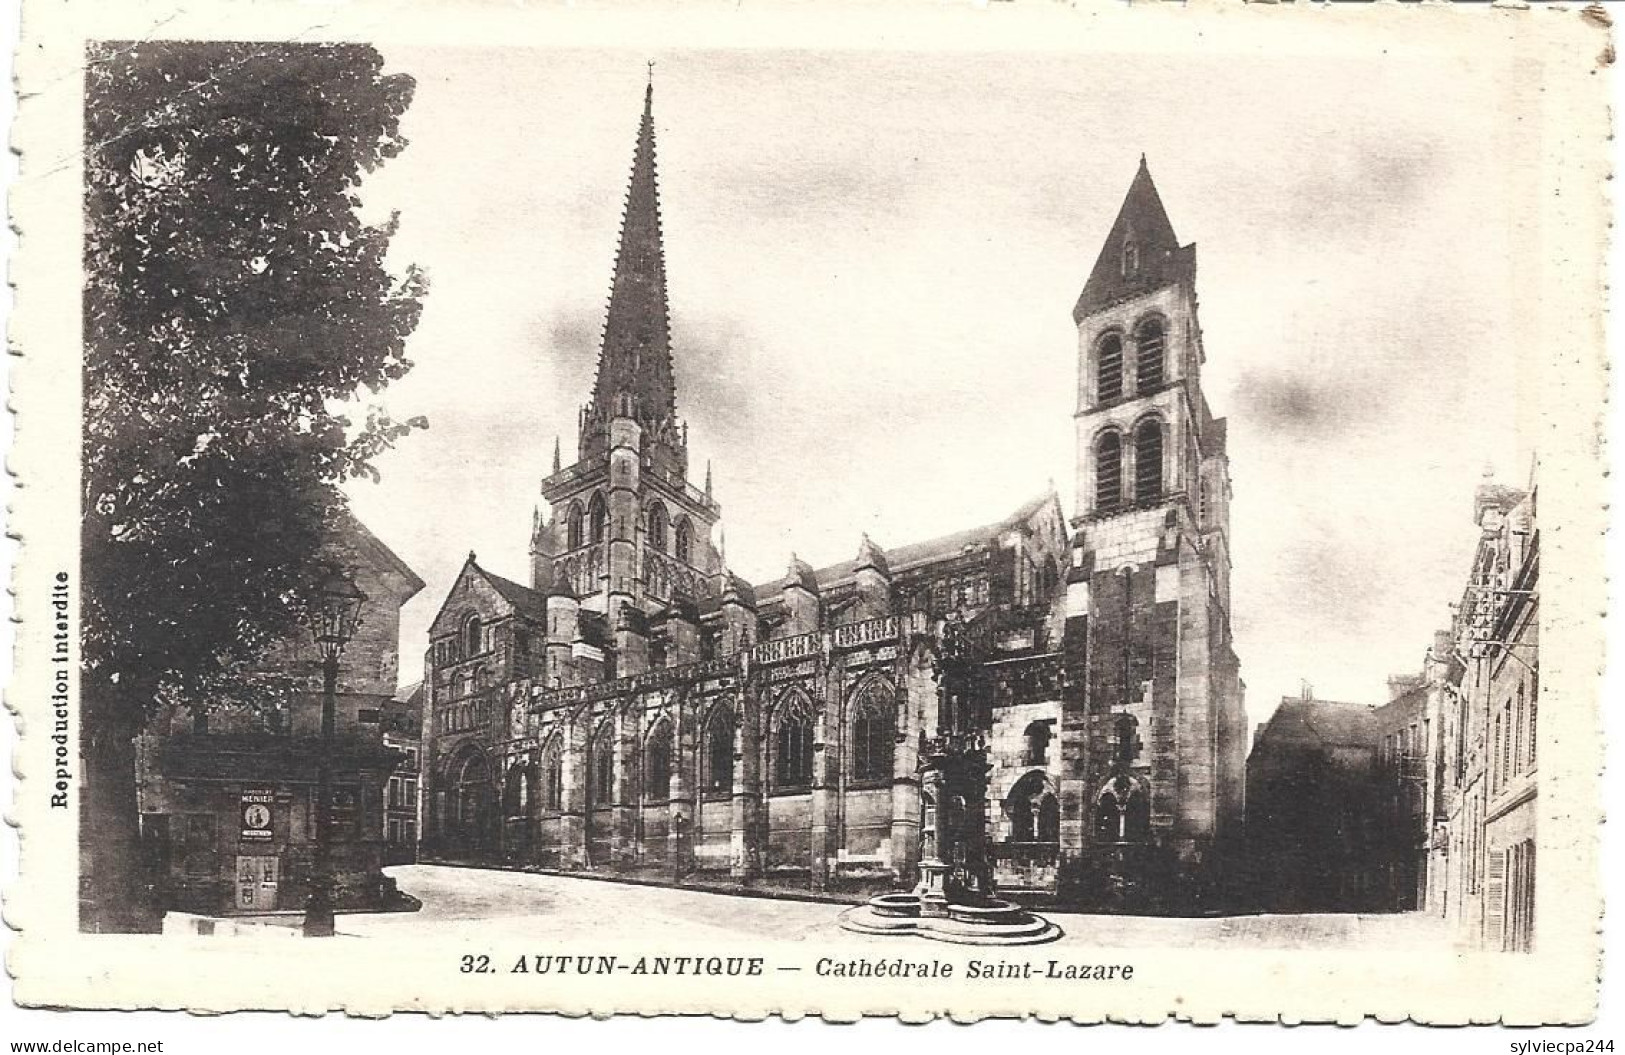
[[1484, 876], [1316, 809], [227, 790], [635, 705], [402, 815], [1411, 734]]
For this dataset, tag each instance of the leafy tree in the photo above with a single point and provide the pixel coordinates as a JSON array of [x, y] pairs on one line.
[[235, 302]]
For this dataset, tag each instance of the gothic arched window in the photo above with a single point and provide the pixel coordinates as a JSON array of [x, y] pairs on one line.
[[792, 743], [1122, 812], [872, 736], [1109, 368], [1109, 471], [685, 541], [601, 767], [1149, 370], [1148, 460], [718, 773], [598, 517], [473, 631], [516, 791], [575, 526], [1048, 819], [655, 519], [657, 764], [1035, 814], [552, 776]]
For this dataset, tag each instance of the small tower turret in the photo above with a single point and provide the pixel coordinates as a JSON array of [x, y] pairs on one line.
[[738, 606], [563, 628], [631, 641], [801, 601], [543, 548], [873, 576], [679, 626]]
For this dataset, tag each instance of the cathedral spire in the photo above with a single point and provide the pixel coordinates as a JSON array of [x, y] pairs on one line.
[[634, 364]]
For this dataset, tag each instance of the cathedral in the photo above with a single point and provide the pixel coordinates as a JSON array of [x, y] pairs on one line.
[[636, 707]]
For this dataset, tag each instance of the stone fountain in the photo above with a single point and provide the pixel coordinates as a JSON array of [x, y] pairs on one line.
[[954, 900]]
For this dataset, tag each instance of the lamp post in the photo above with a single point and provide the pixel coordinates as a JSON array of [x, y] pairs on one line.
[[334, 616]]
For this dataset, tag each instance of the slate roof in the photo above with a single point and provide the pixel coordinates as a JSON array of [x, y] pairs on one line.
[[917, 554], [532, 603], [364, 537], [1162, 260], [1327, 722]]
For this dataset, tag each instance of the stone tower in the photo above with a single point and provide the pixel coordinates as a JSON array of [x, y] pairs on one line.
[[629, 536], [1156, 775]]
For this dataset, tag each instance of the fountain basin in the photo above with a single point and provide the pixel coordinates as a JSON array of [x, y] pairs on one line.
[[988, 922]]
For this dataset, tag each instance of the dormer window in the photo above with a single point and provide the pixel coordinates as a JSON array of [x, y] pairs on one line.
[[1131, 259]]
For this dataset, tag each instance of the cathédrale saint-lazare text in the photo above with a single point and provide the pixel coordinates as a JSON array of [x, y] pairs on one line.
[[918, 511]]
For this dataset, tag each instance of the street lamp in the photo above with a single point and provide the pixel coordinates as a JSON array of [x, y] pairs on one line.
[[333, 617]]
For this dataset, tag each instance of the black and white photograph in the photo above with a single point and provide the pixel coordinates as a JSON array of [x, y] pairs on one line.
[[741, 517]]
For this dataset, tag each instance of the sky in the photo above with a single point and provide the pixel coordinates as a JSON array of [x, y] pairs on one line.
[[872, 260]]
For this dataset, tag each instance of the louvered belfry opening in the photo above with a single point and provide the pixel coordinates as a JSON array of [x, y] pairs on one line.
[[1109, 376], [1149, 346], [1148, 461], [1109, 471]]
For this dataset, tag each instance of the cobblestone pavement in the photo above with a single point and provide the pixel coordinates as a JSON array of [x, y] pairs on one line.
[[475, 902]]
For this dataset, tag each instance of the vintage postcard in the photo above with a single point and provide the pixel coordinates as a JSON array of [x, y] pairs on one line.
[[752, 509]]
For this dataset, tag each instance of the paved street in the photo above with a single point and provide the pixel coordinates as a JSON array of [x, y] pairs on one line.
[[479, 902]]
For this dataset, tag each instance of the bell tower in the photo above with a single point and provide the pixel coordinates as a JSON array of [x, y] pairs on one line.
[[1149, 588], [629, 535]]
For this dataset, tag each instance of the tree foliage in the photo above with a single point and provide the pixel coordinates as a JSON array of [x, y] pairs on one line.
[[235, 304]]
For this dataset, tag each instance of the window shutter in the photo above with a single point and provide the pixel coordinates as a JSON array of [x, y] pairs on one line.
[[1495, 893]]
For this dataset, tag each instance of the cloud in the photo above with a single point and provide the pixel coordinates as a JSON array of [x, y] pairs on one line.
[[725, 390], [1301, 406], [1359, 187], [573, 337]]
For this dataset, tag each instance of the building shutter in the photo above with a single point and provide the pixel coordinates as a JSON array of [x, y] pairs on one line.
[[1495, 895]]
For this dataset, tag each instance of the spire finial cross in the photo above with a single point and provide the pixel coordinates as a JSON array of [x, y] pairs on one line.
[[651, 72]]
